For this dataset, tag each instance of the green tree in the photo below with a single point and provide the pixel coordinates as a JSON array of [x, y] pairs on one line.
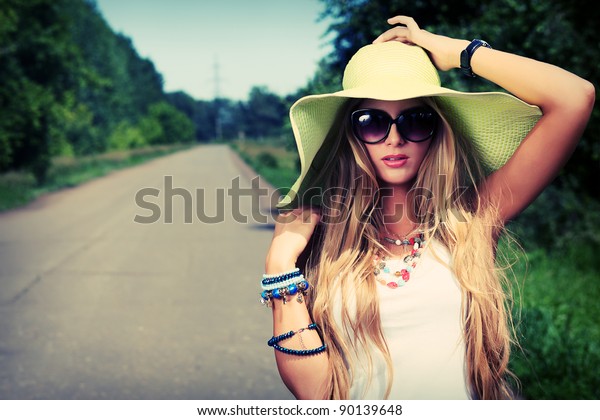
[[201, 113], [36, 69], [69, 83], [113, 81], [205, 120], [176, 126], [264, 113], [126, 136]]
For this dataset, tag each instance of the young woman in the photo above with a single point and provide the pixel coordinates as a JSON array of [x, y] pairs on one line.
[[404, 190]]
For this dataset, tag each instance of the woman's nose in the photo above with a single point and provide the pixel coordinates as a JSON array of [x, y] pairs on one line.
[[394, 138]]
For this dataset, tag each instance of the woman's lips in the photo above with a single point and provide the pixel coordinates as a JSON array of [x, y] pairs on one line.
[[395, 161]]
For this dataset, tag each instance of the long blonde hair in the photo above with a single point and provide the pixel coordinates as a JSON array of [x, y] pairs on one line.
[[343, 254]]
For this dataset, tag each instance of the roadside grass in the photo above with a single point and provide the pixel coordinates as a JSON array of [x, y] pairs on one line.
[[20, 188], [557, 318], [556, 311], [276, 163]]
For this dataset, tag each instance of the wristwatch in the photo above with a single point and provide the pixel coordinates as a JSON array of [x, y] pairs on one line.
[[467, 53]]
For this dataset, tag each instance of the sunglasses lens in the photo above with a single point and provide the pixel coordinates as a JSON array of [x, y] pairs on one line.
[[373, 125], [370, 126], [418, 125]]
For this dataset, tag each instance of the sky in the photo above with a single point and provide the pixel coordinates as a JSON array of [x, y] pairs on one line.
[[224, 47]]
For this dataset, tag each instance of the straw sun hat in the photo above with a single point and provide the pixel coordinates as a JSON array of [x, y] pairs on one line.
[[495, 122]]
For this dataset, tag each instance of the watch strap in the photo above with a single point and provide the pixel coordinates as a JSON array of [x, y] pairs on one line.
[[467, 53]]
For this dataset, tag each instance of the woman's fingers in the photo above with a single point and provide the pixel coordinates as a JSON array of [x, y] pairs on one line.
[[403, 33], [394, 34], [403, 20]]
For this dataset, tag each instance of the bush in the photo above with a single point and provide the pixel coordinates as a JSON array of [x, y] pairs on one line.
[[16, 189], [559, 359], [557, 327], [176, 127], [125, 136], [561, 220], [267, 159]]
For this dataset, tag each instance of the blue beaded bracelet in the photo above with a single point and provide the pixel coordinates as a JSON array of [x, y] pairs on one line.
[[273, 342], [293, 352], [284, 336], [299, 288], [276, 278], [283, 283]]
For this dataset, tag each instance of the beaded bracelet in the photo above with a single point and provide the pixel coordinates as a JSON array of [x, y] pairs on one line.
[[274, 278], [299, 288], [273, 342], [284, 283], [285, 273], [277, 281]]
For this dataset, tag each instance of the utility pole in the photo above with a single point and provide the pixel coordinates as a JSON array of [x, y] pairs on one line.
[[217, 85]]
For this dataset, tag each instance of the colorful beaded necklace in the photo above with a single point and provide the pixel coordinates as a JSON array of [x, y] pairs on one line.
[[392, 272]]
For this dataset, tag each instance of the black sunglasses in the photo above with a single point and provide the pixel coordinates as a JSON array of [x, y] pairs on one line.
[[415, 124]]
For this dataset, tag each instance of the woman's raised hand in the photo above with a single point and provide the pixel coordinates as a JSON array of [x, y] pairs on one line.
[[443, 51], [293, 230], [408, 33]]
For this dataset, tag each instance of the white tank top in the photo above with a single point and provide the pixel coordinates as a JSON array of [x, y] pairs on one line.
[[423, 327]]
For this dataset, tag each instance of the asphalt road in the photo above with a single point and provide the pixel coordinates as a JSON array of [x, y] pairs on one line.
[[96, 305]]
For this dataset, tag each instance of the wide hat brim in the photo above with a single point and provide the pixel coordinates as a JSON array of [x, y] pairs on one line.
[[496, 122]]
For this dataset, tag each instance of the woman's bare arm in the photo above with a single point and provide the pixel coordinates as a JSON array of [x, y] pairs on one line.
[[305, 376], [565, 99]]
